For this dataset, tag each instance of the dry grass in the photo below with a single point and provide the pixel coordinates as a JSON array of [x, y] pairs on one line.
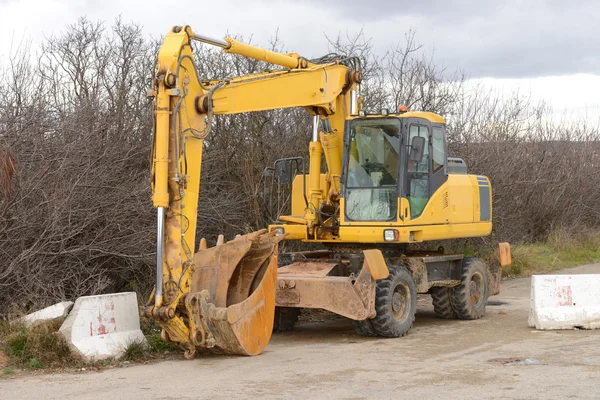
[[37, 347], [136, 351], [42, 347], [562, 249]]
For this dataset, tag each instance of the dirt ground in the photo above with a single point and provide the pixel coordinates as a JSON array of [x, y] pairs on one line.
[[327, 360]]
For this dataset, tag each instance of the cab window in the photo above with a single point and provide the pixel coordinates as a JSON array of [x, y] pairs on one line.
[[438, 145], [423, 165], [373, 169], [418, 174]]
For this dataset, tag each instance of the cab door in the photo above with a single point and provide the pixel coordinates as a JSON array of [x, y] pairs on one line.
[[417, 173], [439, 157], [424, 177]]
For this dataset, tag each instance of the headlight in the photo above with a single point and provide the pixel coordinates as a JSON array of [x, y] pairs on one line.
[[278, 230], [391, 235]]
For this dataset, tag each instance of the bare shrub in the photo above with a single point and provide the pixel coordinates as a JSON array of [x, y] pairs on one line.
[[79, 218], [542, 168]]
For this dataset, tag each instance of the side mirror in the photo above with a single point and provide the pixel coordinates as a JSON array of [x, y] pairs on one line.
[[417, 148]]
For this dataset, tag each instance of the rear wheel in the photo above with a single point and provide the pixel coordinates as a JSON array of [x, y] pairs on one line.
[[395, 303], [285, 318], [441, 302], [469, 299]]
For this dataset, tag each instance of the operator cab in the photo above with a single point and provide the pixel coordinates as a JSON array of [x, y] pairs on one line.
[[390, 157]]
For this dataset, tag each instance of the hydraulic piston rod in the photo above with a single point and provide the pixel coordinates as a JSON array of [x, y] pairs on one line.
[[233, 46], [160, 237], [212, 41]]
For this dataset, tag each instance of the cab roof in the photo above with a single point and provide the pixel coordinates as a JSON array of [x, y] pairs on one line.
[[431, 117]]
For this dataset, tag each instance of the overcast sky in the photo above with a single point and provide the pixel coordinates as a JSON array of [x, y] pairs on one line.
[[547, 48]]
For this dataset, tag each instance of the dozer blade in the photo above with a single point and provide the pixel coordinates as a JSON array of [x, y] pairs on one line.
[[232, 301]]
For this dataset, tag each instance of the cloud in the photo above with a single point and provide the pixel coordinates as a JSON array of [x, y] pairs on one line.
[[504, 39], [508, 38], [380, 9]]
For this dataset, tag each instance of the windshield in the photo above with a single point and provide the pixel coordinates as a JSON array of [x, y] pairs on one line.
[[374, 148], [372, 177]]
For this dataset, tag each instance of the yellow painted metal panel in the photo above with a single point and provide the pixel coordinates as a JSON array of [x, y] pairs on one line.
[[298, 202], [318, 86], [431, 117], [505, 255], [372, 234], [376, 264], [293, 232]]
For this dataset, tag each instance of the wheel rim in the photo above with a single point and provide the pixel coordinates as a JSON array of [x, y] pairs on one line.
[[400, 302], [476, 289]]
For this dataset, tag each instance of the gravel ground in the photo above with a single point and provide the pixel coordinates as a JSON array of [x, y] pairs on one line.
[[497, 357]]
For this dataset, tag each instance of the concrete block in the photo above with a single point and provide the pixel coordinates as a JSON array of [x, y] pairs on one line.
[[101, 327], [58, 310], [565, 302]]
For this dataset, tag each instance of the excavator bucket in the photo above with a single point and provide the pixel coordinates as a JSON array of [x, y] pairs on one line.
[[232, 300]]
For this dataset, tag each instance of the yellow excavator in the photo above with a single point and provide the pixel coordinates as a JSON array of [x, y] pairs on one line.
[[389, 185]]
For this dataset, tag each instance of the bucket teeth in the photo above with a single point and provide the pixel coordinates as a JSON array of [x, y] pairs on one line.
[[203, 244], [254, 235]]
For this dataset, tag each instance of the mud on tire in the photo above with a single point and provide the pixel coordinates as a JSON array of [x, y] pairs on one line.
[[469, 299], [395, 303]]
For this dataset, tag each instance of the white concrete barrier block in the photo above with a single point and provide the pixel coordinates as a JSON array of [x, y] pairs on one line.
[[565, 302], [101, 327], [58, 310]]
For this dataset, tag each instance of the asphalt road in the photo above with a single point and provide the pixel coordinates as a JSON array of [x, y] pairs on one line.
[[327, 360]]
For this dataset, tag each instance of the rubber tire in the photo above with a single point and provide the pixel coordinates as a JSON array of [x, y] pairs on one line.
[[441, 302], [385, 323], [364, 328], [285, 318], [474, 271]]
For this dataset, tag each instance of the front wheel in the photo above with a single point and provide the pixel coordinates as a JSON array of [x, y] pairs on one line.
[[395, 303], [469, 299]]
